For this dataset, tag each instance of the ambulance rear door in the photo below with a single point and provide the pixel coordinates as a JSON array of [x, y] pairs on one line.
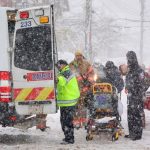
[[33, 62]]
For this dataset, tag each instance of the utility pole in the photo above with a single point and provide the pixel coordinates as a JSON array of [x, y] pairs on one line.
[[88, 30], [142, 29]]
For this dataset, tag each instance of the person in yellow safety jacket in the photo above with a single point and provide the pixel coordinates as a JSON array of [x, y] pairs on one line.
[[67, 97], [85, 75]]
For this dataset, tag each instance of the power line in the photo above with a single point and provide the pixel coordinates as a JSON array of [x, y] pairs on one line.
[[132, 20], [126, 19]]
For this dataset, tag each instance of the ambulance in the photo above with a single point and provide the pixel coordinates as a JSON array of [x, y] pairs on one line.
[[29, 78], [7, 27]]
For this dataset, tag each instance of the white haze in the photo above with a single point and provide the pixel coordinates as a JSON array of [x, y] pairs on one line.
[[115, 29]]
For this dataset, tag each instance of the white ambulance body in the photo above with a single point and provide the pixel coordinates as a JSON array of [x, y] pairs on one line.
[[33, 62], [7, 24], [4, 41]]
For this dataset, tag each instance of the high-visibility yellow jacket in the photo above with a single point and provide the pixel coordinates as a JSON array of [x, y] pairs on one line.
[[67, 88]]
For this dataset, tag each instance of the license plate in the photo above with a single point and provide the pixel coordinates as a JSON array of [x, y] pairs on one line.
[[36, 109]]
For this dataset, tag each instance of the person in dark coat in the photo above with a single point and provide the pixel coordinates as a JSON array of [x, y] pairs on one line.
[[113, 75], [135, 88]]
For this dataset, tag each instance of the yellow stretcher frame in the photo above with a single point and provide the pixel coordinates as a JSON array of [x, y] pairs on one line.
[[102, 88]]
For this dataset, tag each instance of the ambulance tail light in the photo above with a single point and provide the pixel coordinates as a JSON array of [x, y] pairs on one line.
[[44, 19], [24, 15], [4, 75], [5, 86]]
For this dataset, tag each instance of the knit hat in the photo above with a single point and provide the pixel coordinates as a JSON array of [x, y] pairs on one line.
[[132, 59], [61, 62], [78, 52], [109, 65]]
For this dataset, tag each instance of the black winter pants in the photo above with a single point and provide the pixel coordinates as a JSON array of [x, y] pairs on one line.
[[66, 119], [135, 121]]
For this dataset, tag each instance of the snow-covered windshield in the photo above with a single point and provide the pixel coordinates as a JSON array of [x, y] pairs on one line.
[[33, 49]]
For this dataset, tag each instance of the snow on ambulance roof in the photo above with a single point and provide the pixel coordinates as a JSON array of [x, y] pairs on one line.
[[6, 8], [31, 8]]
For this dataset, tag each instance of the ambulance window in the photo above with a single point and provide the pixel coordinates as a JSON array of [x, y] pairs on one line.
[[33, 49]]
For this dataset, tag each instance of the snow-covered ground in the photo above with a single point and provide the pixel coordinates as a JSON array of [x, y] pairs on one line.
[[16, 139]]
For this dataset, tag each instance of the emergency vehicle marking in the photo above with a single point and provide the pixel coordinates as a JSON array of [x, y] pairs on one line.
[[44, 93], [39, 94], [26, 24], [40, 76], [35, 92], [23, 94]]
